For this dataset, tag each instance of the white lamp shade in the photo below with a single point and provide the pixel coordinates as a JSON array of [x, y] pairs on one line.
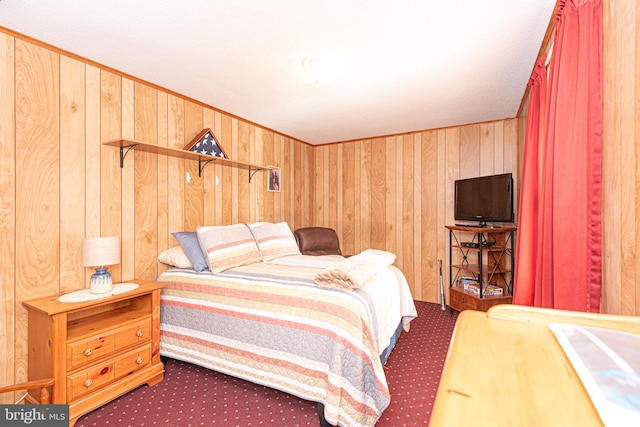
[[100, 251]]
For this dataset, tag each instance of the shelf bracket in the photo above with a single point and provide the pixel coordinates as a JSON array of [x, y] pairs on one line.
[[201, 165], [253, 172], [123, 153]]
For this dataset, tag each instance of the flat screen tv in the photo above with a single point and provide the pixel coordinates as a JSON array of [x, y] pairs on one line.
[[484, 199]]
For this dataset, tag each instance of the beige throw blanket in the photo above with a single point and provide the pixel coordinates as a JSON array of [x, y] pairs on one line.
[[354, 272]]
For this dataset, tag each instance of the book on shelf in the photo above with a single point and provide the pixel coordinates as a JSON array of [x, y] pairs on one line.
[[471, 284], [466, 281], [487, 290]]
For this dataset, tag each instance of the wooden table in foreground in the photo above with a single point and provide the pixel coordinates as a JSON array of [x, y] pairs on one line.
[[505, 368]]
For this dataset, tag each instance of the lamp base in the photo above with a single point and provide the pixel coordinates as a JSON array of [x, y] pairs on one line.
[[101, 281]]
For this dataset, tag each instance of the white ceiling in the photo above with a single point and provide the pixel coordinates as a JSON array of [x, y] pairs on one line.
[[410, 64]]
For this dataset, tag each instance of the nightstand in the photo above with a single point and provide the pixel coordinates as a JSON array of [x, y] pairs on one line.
[[96, 350]]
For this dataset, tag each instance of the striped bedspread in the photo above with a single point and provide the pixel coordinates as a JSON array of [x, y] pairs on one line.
[[269, 323]]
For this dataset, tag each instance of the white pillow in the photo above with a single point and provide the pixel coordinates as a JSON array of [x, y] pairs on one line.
[[175, 257]]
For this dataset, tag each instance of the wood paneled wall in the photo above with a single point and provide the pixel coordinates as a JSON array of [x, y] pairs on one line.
[[621, 153], [58, 183], [396, 193]]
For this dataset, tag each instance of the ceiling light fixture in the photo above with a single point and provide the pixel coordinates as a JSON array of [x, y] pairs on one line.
[[318, 71]]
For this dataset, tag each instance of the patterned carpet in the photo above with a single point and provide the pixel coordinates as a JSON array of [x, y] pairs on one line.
[[194, 396]]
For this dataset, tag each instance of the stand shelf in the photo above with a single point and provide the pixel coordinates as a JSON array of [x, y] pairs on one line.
[[485, 255], [126, 145]]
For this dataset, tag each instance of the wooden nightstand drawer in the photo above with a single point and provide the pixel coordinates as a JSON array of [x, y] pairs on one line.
[[97, 376], [133, 361], [93, 348], [79, 353], [90, 379], [133, 334]]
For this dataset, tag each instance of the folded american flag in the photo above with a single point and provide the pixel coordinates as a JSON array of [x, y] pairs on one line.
[[208, 145]]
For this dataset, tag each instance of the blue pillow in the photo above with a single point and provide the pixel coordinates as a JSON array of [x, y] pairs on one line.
[[189, 242]]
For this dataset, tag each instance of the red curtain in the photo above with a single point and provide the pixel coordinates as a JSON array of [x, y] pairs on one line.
[[559, 250], [527, 237]]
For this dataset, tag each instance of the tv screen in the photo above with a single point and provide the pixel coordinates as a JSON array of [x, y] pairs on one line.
[[484, 199]]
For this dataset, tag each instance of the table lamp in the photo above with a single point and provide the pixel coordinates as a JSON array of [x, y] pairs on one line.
[[99, 252]]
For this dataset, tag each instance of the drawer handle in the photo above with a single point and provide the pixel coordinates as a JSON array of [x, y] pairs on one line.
[[87, 352], [139, 360], [139, 333], [88, 382]]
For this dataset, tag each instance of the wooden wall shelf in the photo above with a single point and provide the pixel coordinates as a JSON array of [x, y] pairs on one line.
[[203, 159]]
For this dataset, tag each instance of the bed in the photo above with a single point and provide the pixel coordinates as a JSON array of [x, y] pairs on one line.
[[268, 321]]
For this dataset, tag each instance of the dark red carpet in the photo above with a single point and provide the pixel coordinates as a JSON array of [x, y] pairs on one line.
[[194, 396]]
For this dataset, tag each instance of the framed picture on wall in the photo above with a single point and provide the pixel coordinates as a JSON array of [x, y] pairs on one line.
[[274, 183]]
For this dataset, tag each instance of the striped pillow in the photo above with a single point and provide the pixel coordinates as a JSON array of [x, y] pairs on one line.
[[274, 240], [227, 246]]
